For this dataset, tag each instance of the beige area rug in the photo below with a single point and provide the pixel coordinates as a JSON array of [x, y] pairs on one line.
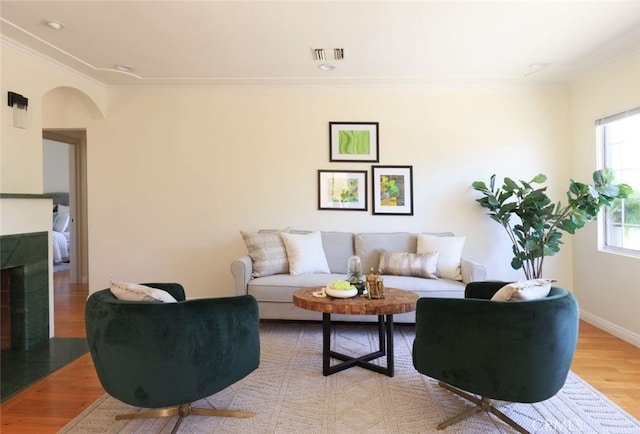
[[289, 394]]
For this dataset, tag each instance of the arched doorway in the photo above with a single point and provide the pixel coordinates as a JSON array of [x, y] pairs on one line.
[[69, 115]]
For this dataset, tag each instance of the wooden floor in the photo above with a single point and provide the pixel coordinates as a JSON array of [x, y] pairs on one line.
[[51, 403], [609, 364]]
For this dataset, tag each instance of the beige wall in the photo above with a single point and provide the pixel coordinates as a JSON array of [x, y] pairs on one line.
[[174, 174], [21, 149], [606, 283]]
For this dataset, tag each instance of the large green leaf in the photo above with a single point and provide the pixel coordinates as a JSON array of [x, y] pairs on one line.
[[479, 185], [539, 178]]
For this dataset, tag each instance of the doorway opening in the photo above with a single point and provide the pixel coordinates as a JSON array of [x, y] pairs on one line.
[[69, 174]]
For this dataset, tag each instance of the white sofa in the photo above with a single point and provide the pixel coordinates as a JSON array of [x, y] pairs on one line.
[[274, 292]]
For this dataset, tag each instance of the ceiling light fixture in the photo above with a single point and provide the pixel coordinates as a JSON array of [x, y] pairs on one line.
[[326, 67], [55, 25]]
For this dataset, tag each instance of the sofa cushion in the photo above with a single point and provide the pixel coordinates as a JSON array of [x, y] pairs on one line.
[[409, 264], [450, 249], [426, 287], [305, 253], [280, 287], [267, 252], [369, 245], [338, 248]]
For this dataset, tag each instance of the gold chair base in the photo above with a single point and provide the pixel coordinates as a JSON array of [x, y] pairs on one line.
[[183, 411], [482, 404]]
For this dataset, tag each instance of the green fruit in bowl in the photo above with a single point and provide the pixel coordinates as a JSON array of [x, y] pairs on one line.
[[342, 285]]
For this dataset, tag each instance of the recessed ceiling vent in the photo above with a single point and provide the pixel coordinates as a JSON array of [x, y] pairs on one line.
[[320, 54]]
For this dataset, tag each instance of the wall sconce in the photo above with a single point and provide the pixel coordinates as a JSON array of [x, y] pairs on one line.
[[19, 104]]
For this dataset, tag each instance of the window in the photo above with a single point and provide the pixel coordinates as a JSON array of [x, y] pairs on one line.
[[619, 138]]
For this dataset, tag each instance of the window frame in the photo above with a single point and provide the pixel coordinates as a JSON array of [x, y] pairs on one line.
[[603, 151]]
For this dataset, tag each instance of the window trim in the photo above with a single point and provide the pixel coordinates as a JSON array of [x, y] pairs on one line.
[[602, 227]]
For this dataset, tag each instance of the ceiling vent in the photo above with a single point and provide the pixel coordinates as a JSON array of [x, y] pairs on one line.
[[320, 54]]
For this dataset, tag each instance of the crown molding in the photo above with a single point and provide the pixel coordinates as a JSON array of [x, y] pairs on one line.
[[355, 86], [605, 67], [46, 60]]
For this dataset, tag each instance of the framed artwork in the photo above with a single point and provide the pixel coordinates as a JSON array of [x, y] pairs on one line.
[[344, 190], [392, 188], [353, 141]]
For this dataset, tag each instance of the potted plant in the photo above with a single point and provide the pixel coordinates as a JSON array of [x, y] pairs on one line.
[[535, 224]]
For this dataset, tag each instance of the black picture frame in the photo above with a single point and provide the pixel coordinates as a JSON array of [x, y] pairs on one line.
[[342, 190], [392, 190], [354, 142]]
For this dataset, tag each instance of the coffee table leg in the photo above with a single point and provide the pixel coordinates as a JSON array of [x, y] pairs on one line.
[[326, 344], [381, 330], [385, 345], [390, 364]]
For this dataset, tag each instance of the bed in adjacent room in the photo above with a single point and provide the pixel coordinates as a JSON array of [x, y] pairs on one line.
[[61, 227]]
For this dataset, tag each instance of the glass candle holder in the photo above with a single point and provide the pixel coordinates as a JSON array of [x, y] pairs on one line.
[[354, 269]]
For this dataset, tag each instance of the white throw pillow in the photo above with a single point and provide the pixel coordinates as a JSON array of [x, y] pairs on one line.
[[60, 222], [450, 253], [135, 292], [409, 264], [267, 253], [525, 290], [305, 253]]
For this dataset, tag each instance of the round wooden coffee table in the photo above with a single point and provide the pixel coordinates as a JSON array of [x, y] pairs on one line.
[[395, 301]]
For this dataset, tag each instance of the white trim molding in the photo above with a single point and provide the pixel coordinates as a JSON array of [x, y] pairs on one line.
[[609, 327]]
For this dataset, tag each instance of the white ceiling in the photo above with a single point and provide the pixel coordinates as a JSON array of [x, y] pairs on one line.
[[271, 42]]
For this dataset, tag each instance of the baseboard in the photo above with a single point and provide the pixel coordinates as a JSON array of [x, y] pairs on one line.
[[609, 327]]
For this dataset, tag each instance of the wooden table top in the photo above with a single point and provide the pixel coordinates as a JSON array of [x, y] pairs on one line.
[[394, 301]]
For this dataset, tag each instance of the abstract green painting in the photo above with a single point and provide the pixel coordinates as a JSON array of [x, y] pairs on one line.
[[353, 141]]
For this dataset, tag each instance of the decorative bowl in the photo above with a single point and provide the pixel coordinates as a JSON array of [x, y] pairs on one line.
[[341, 293]]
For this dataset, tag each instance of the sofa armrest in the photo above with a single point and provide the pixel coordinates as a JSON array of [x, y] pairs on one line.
[[472, 271], [241, 269]]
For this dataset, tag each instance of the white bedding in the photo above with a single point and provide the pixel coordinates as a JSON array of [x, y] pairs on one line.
[[60, 235], [60, 246]]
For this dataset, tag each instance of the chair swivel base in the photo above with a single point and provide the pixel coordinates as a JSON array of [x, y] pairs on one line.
[[183, 411], [482, 404]]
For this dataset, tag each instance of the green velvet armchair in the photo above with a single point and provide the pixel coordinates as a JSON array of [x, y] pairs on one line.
[[164, 356], [516, 351]]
